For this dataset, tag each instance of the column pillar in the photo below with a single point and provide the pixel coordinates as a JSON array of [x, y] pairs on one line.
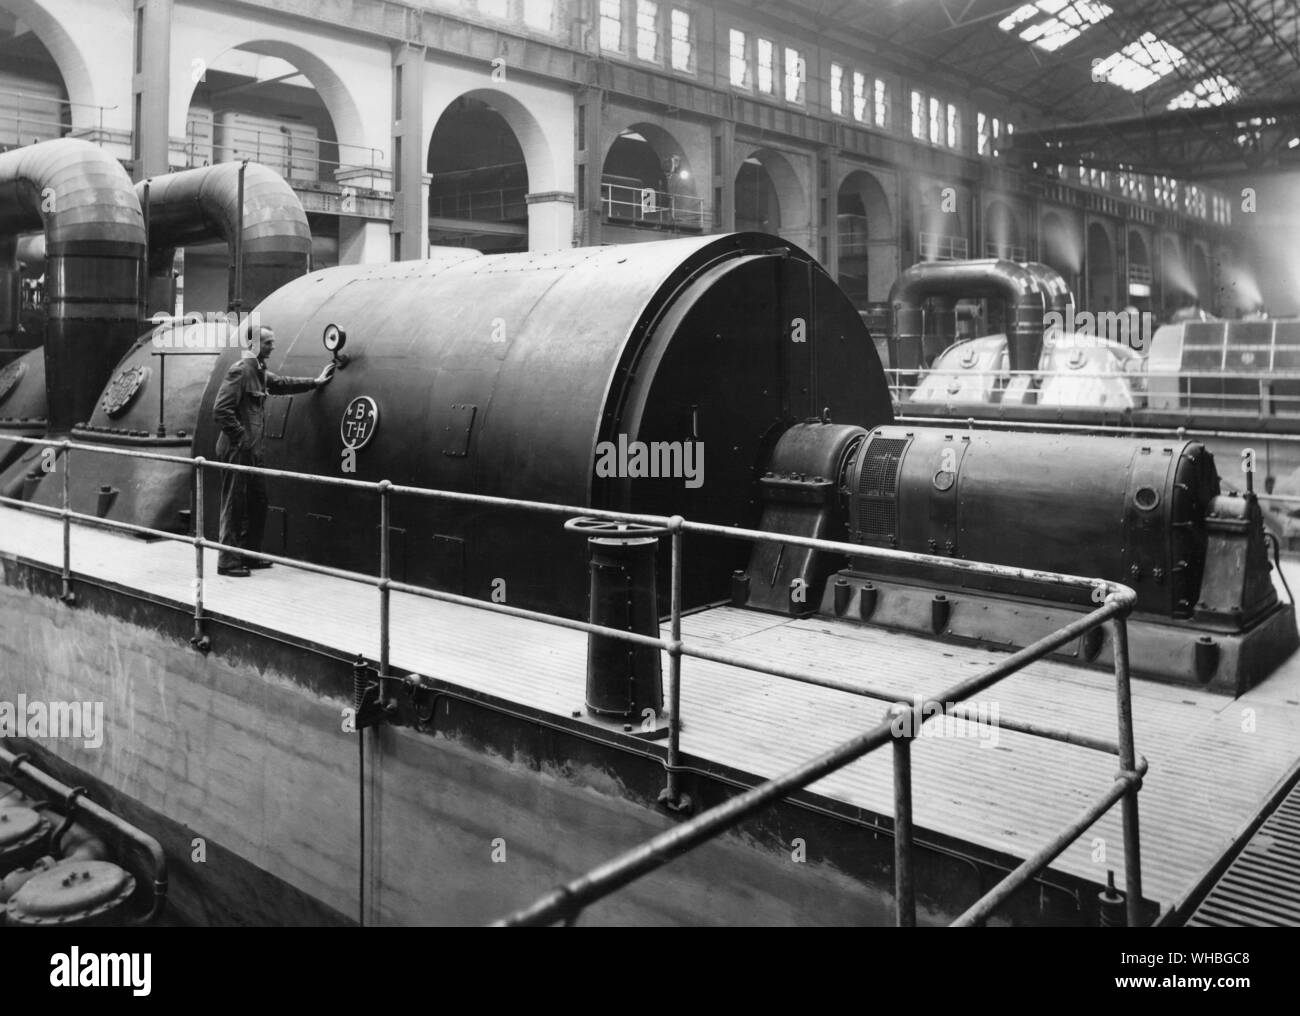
[[723, 197], [150, 87], [589, 143], [550, 220], [410, 226]]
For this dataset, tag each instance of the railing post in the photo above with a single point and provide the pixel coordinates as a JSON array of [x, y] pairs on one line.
[[66, 595], [904, 883], [385, 566], [1128, 764], [199, 640], [675, 663]]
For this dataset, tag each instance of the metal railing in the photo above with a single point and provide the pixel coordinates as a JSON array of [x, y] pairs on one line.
[[1009, 251], [1139, 273], [295, 156], [507, 204], [902, 725], [941, 247], [645, 206], [30, 117], [1212, 393]]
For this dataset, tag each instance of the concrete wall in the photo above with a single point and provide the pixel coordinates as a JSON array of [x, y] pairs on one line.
[[247, 755]]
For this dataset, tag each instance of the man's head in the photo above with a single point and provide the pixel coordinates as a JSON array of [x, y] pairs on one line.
[[266, 342]]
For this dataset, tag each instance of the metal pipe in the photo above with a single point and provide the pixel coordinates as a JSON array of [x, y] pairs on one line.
[[998, 424], [982, 908], [1018, 288], [675, 664], [199, 529], [1127, 762], [162, 391], [385, 564], [263, 225], [76, 801], [95, 249], [66, 595], [850, 549], [237, 269], [904, 880]]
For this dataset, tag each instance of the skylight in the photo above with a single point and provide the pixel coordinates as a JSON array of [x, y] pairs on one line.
[[1213, 91], [1140, 64], [1065, 21]]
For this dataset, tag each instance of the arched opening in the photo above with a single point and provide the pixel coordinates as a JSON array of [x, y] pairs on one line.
[[942, 234], [478, 185], [758, 209], [34, 107], [1175, 279], [646, 182], [1139, 272], [1201, 280], [1061, 249], [1101, 270], [769, 197], [1003, 237], [257, 102], [867, 241]]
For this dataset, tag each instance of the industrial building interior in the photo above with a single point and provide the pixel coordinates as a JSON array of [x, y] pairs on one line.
[[987, 314]]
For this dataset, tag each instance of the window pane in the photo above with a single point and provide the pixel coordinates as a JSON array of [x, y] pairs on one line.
[[859, 95], [682, 56], [766, 68], [794, 75], [936, 121], [837, 89], [647, 30], [954, 126], [538, 14], [918, 116], [882, 104], [611, 24], [739, 63]]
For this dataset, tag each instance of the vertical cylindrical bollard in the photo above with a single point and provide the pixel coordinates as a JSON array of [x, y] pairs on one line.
[[623, 678]]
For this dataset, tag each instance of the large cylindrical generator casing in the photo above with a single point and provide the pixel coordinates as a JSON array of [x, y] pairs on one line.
[[543, 376], [1122, 509]]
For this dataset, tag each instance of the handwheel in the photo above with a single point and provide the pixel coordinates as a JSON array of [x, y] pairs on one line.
[[608, 527]]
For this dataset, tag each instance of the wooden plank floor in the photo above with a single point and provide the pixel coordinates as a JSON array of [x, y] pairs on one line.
[[1213, 759]]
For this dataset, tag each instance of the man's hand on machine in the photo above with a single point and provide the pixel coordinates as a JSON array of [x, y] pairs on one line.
[[325, 376]]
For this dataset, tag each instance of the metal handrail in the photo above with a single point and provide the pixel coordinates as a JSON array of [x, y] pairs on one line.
[[499, 204], [941, 247], [566, 901], [648, 206], [999, 423], [297, 159], [62, 127], [1117, 601]]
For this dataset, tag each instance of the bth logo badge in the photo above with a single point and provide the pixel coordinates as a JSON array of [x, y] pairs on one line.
[[360, 420]]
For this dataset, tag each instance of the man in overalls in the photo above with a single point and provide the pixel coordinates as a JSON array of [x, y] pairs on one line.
[[240, 413]]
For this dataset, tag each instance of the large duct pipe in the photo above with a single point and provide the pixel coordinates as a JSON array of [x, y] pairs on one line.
[[18, 336], [95, 247], [1017, 287], [10, 297], [198, 205], [1056, 292]]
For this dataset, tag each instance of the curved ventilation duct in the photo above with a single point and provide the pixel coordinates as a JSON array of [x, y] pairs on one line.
[[198, 205], [1017, 287], [10, 296], [95, 247], [1056, 292]]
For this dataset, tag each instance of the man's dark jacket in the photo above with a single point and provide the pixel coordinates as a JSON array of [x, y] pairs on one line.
[[240, 408]]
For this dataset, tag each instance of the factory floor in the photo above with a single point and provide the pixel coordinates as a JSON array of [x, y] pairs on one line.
[[1213, 759]]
